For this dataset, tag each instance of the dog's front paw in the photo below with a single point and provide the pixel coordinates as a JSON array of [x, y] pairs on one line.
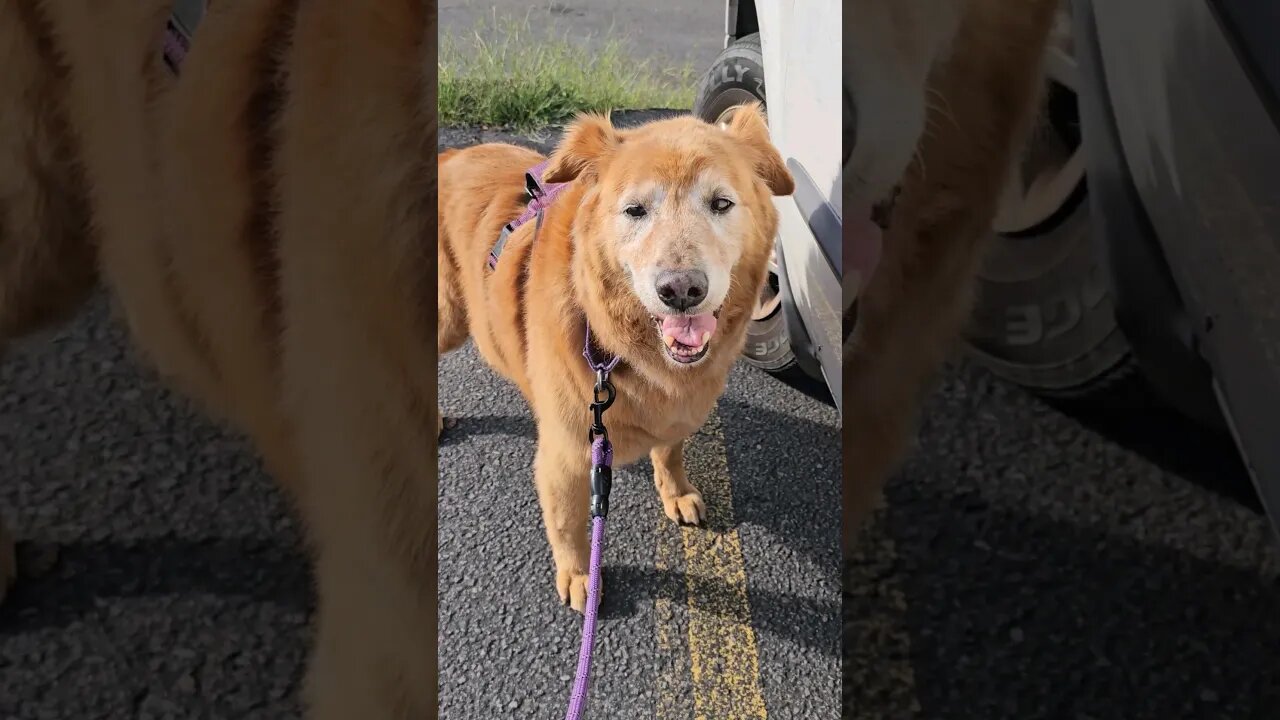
[[688, 509], [572, 588]]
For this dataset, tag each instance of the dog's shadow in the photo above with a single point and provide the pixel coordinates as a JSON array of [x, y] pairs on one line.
[[82, 576], [633, 591], [789, 488], [460, 428]]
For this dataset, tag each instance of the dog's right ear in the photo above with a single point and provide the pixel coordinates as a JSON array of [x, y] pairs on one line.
[[588, 138]]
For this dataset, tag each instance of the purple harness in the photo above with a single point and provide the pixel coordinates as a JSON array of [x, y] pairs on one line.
[[540, 198], [179, 29]]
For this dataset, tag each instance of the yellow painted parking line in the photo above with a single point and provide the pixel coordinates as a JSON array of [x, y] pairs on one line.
[[723, 670], [879, 680]]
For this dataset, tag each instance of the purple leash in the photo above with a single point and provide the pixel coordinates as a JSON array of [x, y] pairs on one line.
[[601, 483], [541, 195]]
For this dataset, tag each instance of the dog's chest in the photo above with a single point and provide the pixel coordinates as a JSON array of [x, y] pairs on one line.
[[646, 423]]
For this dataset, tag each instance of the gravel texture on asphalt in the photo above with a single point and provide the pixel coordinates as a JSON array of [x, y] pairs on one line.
[[160, 576], [1026, 565], [504, 637]]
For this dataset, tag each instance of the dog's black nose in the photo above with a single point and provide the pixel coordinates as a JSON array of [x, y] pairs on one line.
[[682, 289]]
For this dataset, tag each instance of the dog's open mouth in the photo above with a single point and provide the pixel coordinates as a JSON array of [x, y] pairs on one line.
[[686, 338]]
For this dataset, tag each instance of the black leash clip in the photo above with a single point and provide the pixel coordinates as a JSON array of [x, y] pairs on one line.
[[601, 471], [601, 404]]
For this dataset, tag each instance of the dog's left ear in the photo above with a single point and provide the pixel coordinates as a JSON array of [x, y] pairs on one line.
[[586, 140], [749, 127]]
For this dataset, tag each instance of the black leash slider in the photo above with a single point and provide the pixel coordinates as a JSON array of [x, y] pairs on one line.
[[601, 484]]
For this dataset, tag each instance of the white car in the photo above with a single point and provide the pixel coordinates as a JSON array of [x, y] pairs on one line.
[[793, 48]]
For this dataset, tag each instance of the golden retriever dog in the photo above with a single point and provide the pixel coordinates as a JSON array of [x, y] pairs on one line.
[[660, 242], [939, 97], [262, 222]]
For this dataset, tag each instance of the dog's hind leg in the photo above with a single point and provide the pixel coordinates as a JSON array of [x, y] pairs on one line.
[[451, 327], [451, 323]]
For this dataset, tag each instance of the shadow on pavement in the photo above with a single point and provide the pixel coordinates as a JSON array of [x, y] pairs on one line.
[[793, 494], [486, 425], [632, 591], [86, 574], [1026, 617], [1206, 457]]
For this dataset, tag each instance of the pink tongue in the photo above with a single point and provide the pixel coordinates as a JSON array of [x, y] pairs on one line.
[[688, 329]]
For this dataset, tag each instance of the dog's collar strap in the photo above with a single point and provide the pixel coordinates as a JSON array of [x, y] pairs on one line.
[[184, 19], [541, 195], [601, 368]]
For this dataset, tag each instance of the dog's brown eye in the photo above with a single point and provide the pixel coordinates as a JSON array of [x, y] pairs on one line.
[[635, 211], [721, 205]]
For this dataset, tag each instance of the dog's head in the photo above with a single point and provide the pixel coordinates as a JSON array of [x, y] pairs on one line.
[[891, 46], [680, 212]]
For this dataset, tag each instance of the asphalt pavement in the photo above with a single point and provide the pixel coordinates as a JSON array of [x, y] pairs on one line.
[[740, 620], [1028, 564], [1035, 564], [670, 602], [160, 577]]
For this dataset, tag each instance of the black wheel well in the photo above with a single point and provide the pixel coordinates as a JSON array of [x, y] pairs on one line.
[[746, 21]]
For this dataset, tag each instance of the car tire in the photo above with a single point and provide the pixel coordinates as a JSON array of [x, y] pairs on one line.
[[735, 78], [1044, 317]]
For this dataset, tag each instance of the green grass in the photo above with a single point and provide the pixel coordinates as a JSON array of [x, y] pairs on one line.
[[523, 82]]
